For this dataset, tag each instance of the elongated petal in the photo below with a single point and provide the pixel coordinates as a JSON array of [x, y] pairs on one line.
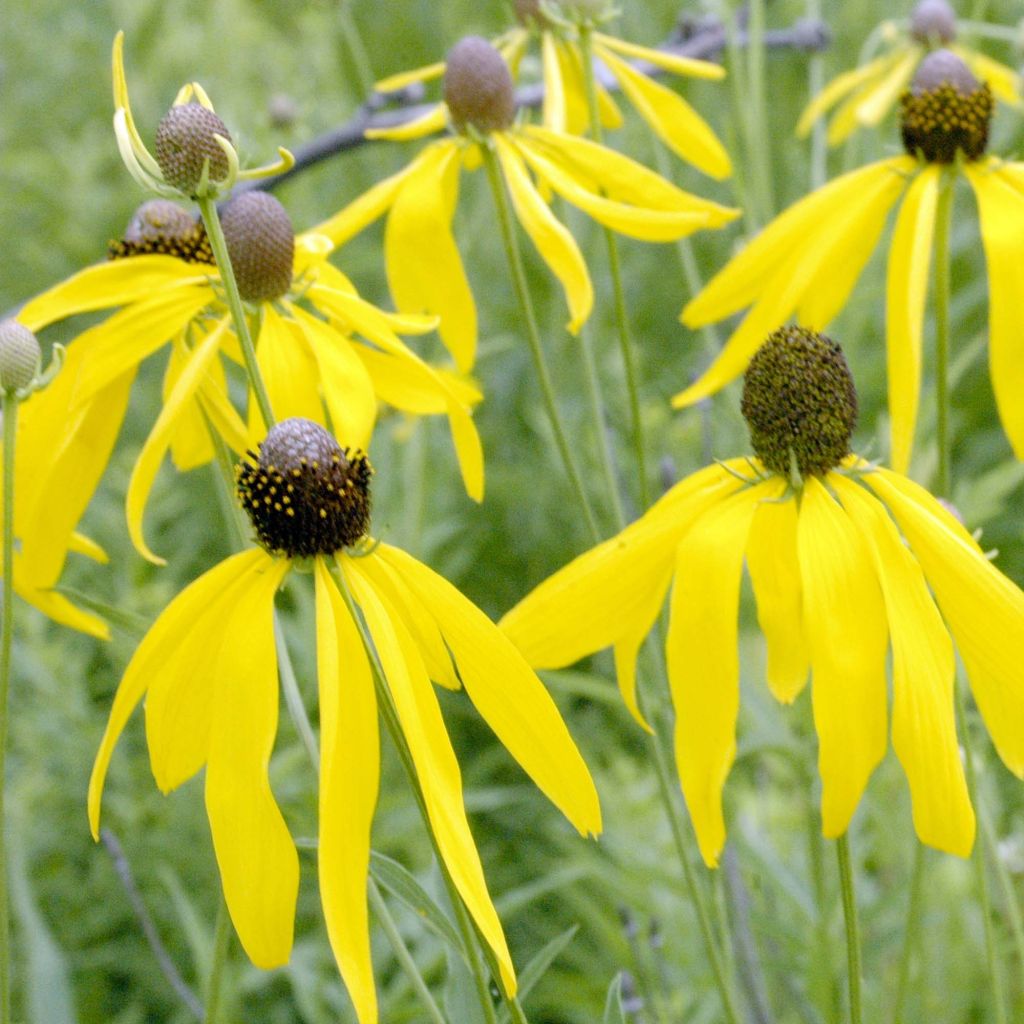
[[57, 607], [82, 545], [906, 292], [506, 692], [553, 114], [433, 121], [983, 609], [844, 620], [291, 373], [875, 101], [673, 120], [432, 754], [396, 83], [775, 575], [600, 596], [574, 89], [190, 441], [349, 779], [840, 86], [923, 723], [688, 66], [1004, 81], [221, 413], [553, 239], [259, 865], [703, 660], [1001, 211]]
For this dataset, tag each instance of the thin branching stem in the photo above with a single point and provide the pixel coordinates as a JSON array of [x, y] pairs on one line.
[[853, 963]]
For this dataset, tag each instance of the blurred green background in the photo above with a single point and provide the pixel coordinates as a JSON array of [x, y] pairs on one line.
[[281, 73]]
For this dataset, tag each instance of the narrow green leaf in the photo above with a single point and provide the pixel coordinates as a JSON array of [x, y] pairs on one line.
[[613, 1011], [129, 622], [461, 999], [537, 967]]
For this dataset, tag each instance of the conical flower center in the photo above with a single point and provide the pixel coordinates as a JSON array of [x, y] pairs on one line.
[[945, 111], [799, 402], [185, 141], [164, 228], [933, 21], [478, 87], [261, 244], [304, 494], [20, 356]]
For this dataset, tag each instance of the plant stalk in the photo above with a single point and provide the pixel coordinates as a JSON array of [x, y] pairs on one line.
[[853, 963]]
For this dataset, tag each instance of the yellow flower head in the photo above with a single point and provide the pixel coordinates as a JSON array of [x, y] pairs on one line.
[[555, 27], [425, 271], [865, 95], [323, 351], [208, 671], [847, 560], [807, 261]]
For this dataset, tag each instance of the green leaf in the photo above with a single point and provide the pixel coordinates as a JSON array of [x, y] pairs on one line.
[[129, 622], [613, 1012], [537, 967], [461, 999]]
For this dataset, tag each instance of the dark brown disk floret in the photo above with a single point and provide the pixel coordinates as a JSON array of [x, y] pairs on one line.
[[185, 140], [161, 227]]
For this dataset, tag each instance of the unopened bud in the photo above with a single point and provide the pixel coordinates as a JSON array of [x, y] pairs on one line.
[[478, 87], [185, 141], [20, 356]]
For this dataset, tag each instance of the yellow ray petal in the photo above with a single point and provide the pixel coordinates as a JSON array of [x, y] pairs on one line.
[[190, 440], [349, 779], [1004, 81], [687, 66], [82, 545], [574, 87], [290, 371], [553, 114], [221, 413], [425, 271], [553, 239], [876, 100], [396, 83], [845, 625], [432, 754], [906, 292], [57, 607], [159, 439], [983, 609], [673, 120], [840, 86], [1001, 212], [775, 575], [923, 724], [509, 696], [599, 597], [258, 862], [703, 659], [433, 121], [157, 655]]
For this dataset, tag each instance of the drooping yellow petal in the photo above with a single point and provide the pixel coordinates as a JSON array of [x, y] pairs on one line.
[[840, 86], [190, 441], [433, 757], [168, 641], [845, 625], [553, 115], [222, 415], [688, 66], [1004, 82], [553, 239], [396, 83], [1001, 213], [290, 371], [349, 780], [673, 120], [82, 545], [877, 99], [574, 88], [124, 108], [923, 723], [983, 609], [599, 597], [775, 575], [425, 271], [506, 692], [115, 283], [906, 292], [258, 862], [159, 439], [57, 607], [703, 659], [433, 121]]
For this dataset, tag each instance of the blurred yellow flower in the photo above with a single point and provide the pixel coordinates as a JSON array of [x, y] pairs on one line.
[[208, 671]]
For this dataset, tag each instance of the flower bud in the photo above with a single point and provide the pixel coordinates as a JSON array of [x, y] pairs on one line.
[[933, 20], [261, 244], [20, 356], [160, 227], [478, 87], [185, 141]]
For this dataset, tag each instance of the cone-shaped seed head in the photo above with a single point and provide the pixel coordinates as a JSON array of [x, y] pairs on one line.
[[478, 87], [185, 140], [799, 402], [304, 494], [261, 244], [20, 356], [933, 20], [945, 111], [162, 227]]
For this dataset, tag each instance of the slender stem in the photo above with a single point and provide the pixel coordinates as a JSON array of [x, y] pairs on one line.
[[596, 403], [981, 875], [757, 111], [293, 695], [738, 93], [221, 948], [211, 219], [852, 929], [1013, 910], [356, 48], [618, 291], [910, 932], [402, 954], [815, 83], [515, 263], [10, 428], [943, 220], [821, 957]]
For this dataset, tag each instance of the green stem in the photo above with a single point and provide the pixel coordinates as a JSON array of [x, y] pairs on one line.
[[822, 955], [596, 404], [910, 932], [1013, 910], [293, 696], [221, 948], [815, 83], [757, 111], [211, 219], [853, 967], [402, 954], [738, 93], [943, 221], [515, 263], [10, 428], [981, 875], [356, 48], [618, 291]]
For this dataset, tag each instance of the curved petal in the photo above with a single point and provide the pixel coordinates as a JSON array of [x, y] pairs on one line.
[[506, 692], [396, 83], [57, 607], [553, 114], [574, 86], [906, 293], [349, 781], [289, 369], [433, 121], [432, 754], [688, 66], [844, 619], [923, 721], [703, 659], [983, 609], [1004, 81], [190, 442], [840, 86], [877, 99]]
